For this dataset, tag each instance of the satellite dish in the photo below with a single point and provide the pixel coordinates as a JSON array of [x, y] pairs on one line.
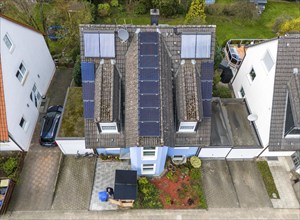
[[123, 35], [252, 117]]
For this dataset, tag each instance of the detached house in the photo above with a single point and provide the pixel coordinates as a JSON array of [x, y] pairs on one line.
[[26, 70], [266, 75], [147, 91]]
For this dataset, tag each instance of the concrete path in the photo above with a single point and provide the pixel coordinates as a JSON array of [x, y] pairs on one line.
[[75, 182], [105, 177], [41, 166], [249, 184], [282, 181], [217, 184], [221, 214]]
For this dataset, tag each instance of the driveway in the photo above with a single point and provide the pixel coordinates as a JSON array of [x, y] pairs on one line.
[[35, 189], [248, 184], [218, 186]]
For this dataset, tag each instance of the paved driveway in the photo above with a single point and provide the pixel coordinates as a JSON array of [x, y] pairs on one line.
[[248, 184], [38, 178], [218, 187]]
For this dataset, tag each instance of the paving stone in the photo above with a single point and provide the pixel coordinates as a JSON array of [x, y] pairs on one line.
[[105, 177]]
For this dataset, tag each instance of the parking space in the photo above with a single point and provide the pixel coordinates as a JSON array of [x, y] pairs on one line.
[[218, 186], [74, 185], [248, 184]]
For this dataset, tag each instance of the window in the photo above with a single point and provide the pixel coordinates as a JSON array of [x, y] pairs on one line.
[[290, 128], [8, 42], [35, 96], [268, 61], [195, 46], [148, 168], [149, 153], [187, 127], [296, 159], [108, 127], [252, 74], [23, 123], [242, 92], [21, 73]]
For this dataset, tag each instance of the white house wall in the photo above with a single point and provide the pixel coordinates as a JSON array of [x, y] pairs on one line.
[[213, 152], [31, 49], [9, 146], [72, 146], [243, 153], [258, 93], [268, 153]]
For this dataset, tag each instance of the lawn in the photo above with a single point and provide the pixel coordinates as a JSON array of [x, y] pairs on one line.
[[72, 122], [267, 178]]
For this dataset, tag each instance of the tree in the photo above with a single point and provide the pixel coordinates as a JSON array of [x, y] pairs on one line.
[[196, 14], [166, 7], [290, 26]]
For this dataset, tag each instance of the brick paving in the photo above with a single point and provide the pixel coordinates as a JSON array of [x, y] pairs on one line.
[[75, 182], [105, 177]]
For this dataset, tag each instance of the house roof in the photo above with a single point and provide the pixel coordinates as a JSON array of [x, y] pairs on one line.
[[3, 122], [287, 59], [127, 63], [21, 24]]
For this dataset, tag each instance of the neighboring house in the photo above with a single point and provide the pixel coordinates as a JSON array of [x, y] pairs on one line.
[[26, 70], [268, 78], [147, 91]]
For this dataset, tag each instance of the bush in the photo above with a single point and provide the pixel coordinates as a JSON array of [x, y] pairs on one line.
[[166, 8], [195, 162], [222, 92], [142, 7], [103, 10], [114, 3], [77, 72], [280, 21], [10, 166]]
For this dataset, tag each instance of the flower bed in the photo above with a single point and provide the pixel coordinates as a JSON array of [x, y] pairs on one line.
[[11, 165]]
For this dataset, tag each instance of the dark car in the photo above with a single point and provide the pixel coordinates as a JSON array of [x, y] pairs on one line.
[[50, 125]]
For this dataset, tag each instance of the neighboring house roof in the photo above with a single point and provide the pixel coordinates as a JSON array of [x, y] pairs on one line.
[[3, 121], [21, 24], [286, 86], [127, 64]]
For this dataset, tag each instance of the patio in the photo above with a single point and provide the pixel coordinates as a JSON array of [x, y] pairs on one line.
[[105, 177]]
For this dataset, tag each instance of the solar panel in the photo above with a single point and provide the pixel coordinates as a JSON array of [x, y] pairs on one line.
[[207, 71], [203, 45], [87, 71], [148, 49], [88, 90], [206, 108], [148, 61], [149, 74], [149, 84], [149, 114], [148, 37], [151, 87], [91, 44], [149, 129], [88, 109], [206, 89], [149, 100]]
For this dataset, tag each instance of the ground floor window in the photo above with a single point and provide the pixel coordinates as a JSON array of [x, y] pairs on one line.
[[148, 168]]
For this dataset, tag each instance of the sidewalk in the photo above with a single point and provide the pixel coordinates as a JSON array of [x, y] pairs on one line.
[[222, 214]]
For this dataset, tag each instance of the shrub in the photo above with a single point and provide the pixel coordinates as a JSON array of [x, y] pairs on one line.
[[10, 166], [114, 3], [77, 72], [196, 14], [168, 199], [167, 7], [222, 92], [195, 174], [280, 21], [290, 26], [103, 9], [195, 161]]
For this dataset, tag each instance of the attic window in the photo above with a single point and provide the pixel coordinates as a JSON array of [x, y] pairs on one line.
[[268, 61], [290, 128], [100, 45], [8, 42], [108, 128], [187, 127], [195, 46]]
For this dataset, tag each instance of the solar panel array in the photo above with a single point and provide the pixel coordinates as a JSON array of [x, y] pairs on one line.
[[195, 46], [88, 88], [99, 44], [207, 71], [149, 84]]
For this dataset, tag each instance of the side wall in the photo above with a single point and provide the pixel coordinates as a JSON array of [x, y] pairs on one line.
[[182, 151], [69, 146], [30, 49], [259, 92], [9, 146]]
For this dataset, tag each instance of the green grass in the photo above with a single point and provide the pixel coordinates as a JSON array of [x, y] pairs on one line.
[[267, 178], [230, 27], [72, 122]]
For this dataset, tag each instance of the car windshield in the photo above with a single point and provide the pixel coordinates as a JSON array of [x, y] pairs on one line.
[[51, 114]]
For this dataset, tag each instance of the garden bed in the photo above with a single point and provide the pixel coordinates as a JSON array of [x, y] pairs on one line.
[[11, 164]]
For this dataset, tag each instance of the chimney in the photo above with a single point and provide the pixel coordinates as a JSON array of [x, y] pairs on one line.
[[154, 13]]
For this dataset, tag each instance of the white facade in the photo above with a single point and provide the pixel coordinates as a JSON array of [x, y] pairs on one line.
[[72, 146], [258, 88], [30, 49], [214, 152]]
